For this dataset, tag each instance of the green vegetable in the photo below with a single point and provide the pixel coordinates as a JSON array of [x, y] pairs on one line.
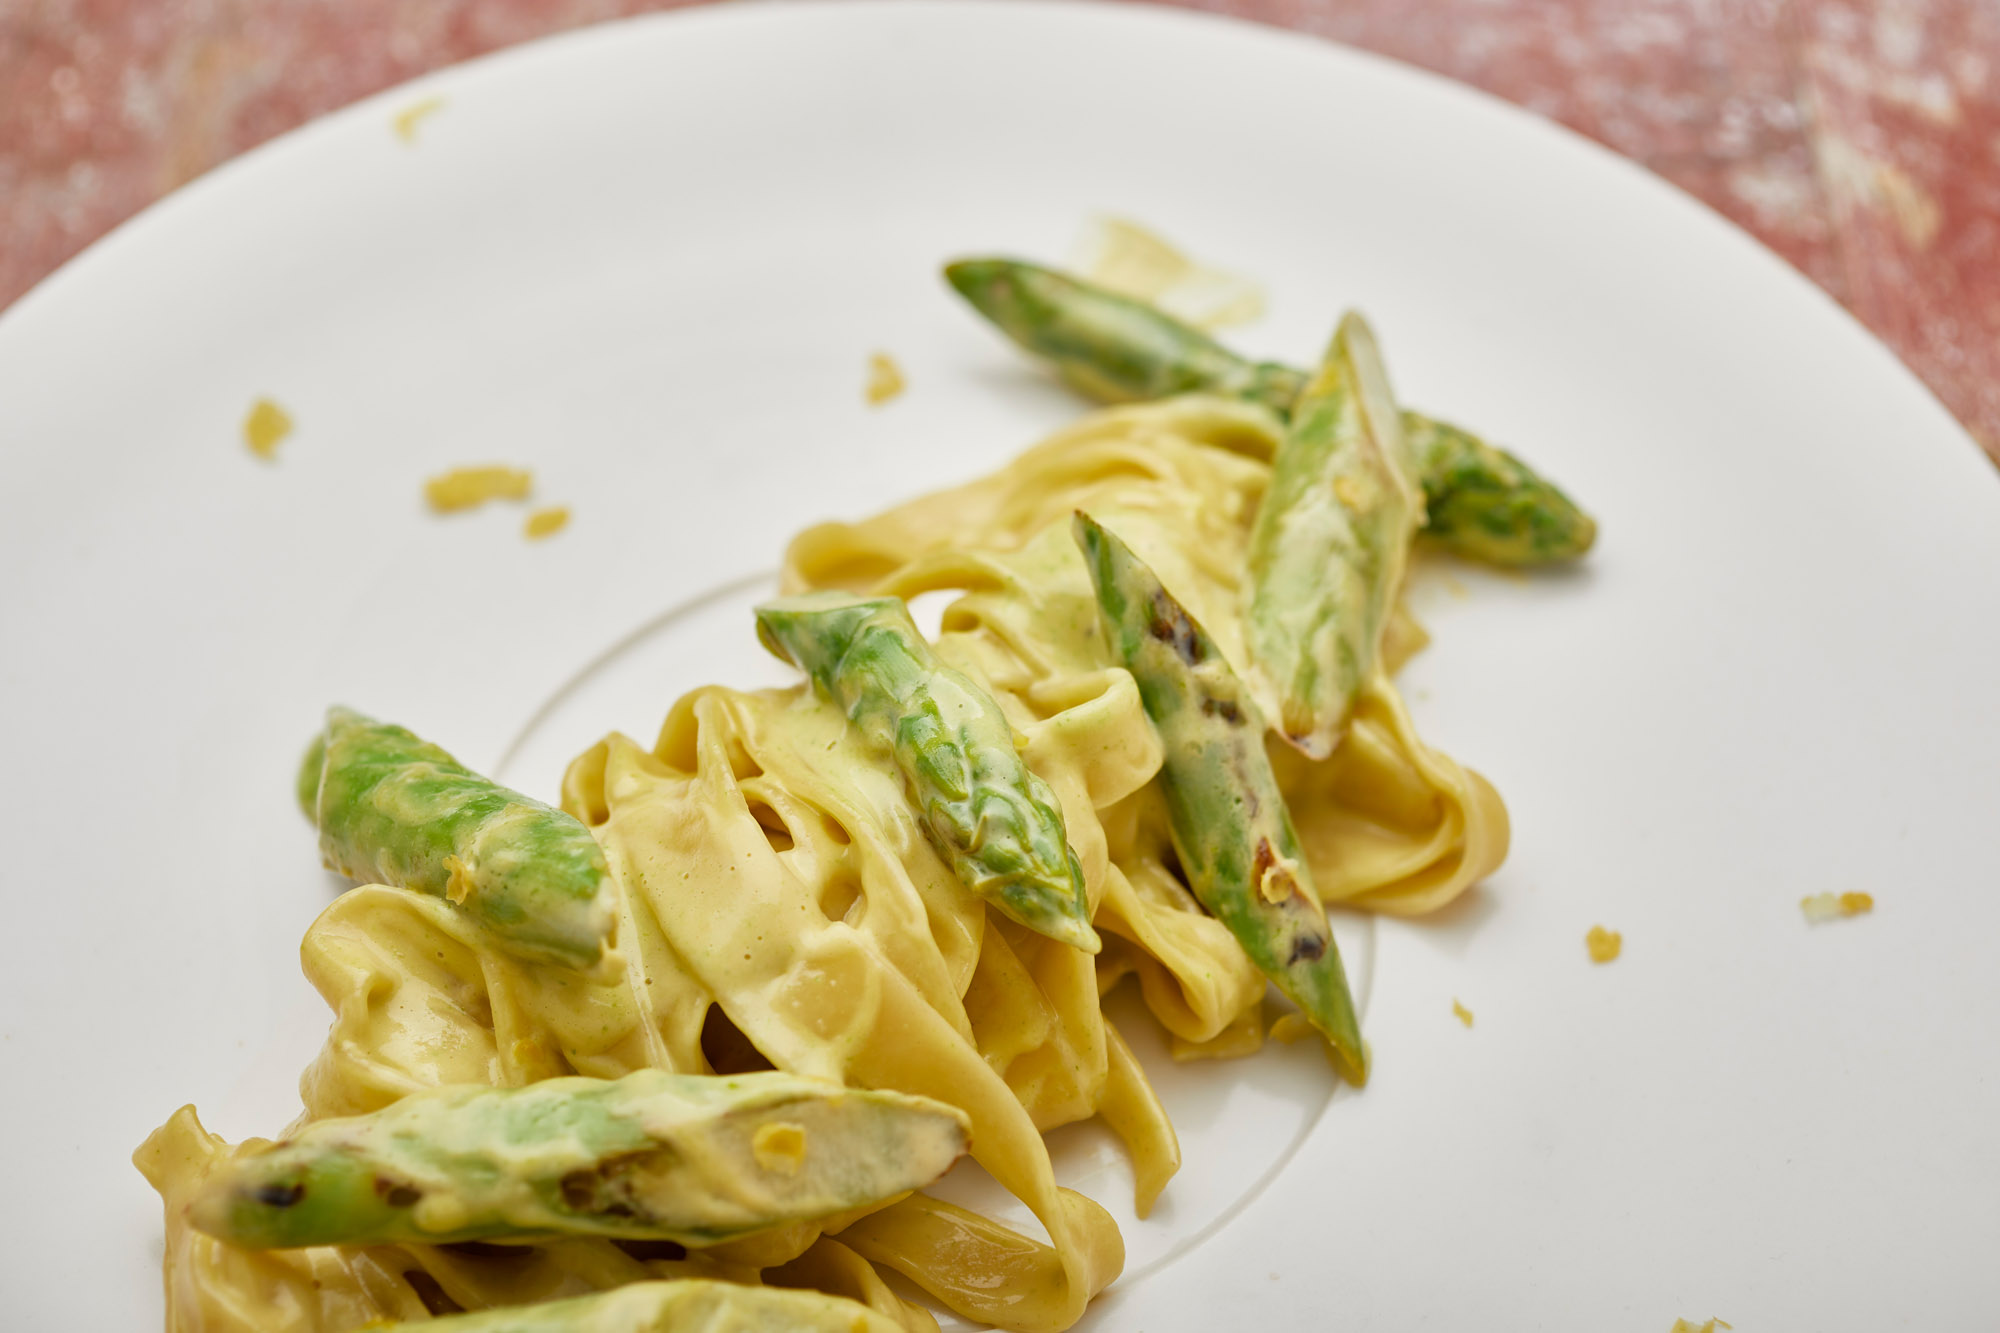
[[1109, 346], [1231, 831], [682, 1305], [682, 1157], [1484, 503], [394, 809], [308, 779], [1330, 542], [996, 823]]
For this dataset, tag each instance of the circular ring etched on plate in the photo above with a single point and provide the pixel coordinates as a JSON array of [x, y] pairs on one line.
[[1239, 1120]]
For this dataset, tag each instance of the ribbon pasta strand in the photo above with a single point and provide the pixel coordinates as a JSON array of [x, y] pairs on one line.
[[778, 904]]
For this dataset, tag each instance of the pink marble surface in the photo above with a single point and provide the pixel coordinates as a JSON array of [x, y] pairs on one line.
[[1861, 141]]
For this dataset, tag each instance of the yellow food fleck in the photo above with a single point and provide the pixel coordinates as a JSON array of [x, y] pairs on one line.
[[1821, 907], [1139, 263], [1689, 1326], [546, 522], [265, 427], [1349, 492], [1604, 945], [780, 1146], [410, 117], [437, 1213], [458, 881], [885, 379], [1279, 883], [469, 487], [1289, 1027], [1464, 1014]]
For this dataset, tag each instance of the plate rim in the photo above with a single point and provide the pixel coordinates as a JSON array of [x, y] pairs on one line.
[[219, 181], [198, 193]]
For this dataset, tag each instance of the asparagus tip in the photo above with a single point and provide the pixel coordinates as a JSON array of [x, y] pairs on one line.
[[985, 283], [1585, 535], [310, 768], [1353, 1064], [1076, 934]]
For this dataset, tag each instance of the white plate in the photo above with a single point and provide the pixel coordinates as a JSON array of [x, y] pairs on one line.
[[650, 259]]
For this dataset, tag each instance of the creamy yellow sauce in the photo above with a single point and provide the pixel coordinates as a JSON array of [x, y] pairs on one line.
[[1823, 907], [470, 487], [1138, 262], [771, 871], [265, 428], [885, 379], [410, 119], [546, 522]]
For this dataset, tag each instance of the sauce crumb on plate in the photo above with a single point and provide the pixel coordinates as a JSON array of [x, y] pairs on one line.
[[1823, 907], [885, 379], [266, 428], [470, 487], [545, 522], [1138, 262], [410, 117]]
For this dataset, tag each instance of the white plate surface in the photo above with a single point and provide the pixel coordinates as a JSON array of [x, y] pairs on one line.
[[650, 259]]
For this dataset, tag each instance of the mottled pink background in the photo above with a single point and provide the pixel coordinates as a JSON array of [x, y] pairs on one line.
[[1860, 141]]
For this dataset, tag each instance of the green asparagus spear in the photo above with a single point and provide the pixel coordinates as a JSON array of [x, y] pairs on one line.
[[680, 1305], [994, 821], [1484, 503], [1231, 830], [308, 779], [691, 1158], [1109, 346], [1330, 542], [396, 809]]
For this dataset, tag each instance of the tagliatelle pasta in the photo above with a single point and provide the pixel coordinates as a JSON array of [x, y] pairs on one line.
[[779, 904]]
